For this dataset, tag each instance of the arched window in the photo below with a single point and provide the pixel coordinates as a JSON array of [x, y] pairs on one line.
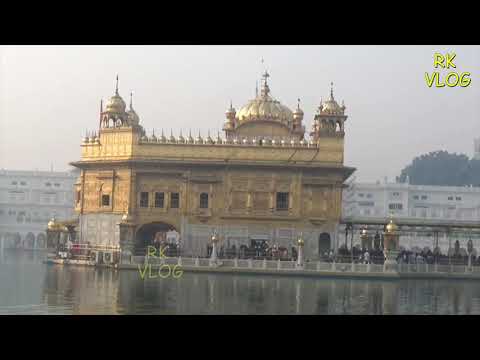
[[203, 201]]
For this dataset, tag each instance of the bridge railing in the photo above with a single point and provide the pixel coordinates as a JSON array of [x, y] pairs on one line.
[[311, 266]]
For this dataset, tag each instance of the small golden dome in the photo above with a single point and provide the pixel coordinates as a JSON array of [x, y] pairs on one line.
[[190, 139], [126, 217], [52, 224], [116, 104], [181, 139], [300, 241], [331, 106], [298, 112], [209, 140], [133, 117], [391, 227], [230, 111], [199, 139]]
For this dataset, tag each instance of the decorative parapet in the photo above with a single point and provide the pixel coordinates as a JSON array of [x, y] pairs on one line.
[[272, 142]]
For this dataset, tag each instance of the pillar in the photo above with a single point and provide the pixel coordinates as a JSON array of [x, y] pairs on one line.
[[127, 240]]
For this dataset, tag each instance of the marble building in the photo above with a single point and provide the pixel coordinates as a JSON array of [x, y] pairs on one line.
[[28, 200]]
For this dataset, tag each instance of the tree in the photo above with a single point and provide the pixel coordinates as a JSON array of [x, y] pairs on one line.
[[443, 169]]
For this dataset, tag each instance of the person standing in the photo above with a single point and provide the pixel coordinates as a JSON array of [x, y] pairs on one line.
[[366, 256]]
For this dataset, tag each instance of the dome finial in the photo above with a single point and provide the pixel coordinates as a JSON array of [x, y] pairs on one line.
[[131, 100], [265, 89], [116, 86], [101, 106], [298, 103], [331, 90]]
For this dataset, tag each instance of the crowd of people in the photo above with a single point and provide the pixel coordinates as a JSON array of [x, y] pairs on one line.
[[405, 256], [263, 250], [259, 250]]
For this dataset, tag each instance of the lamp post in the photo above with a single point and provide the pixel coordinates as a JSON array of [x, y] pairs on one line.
[[391, 245], [346, 235], [364, 238], [470, 252], [300, 244], [213, 256], [449, 246]]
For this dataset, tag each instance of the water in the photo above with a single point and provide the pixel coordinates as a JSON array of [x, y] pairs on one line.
[[29, 287]]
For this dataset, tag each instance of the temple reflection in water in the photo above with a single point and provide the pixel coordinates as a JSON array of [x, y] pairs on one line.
[[89, 292]]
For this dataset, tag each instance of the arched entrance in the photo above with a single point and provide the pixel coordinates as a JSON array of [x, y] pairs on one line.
[[29, 242], [323, 243], [41, 241], [17, 240], [151, 233]]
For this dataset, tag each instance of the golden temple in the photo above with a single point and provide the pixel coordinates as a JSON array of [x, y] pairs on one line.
[[262, 180]]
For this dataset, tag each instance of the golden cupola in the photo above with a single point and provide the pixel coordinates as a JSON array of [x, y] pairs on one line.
[[331, 106], [132, 115], [115, 116], [263, 117], [391, 227], [329, 120], [229, 124]]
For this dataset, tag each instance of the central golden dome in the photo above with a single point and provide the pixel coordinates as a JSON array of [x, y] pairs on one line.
[[264, 107]]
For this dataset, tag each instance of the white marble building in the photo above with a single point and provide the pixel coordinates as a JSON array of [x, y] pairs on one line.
[[28, 200], [405, 201]]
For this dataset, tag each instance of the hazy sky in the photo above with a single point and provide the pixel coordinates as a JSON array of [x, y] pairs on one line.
[[50, 95]]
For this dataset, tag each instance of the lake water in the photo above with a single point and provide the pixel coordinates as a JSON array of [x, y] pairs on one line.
[[27, 286]]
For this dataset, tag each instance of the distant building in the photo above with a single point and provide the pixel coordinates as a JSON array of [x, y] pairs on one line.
[[476, 149], [28, 200], [405, 201]]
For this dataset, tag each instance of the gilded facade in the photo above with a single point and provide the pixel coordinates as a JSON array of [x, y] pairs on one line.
[[261, 179]]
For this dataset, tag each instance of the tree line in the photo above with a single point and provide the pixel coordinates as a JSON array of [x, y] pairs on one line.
[[443, 169]]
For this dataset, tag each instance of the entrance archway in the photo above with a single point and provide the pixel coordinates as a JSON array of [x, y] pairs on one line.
[[41, 241], [29, 242], [17, 240], [323, 243], [148, 233]]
